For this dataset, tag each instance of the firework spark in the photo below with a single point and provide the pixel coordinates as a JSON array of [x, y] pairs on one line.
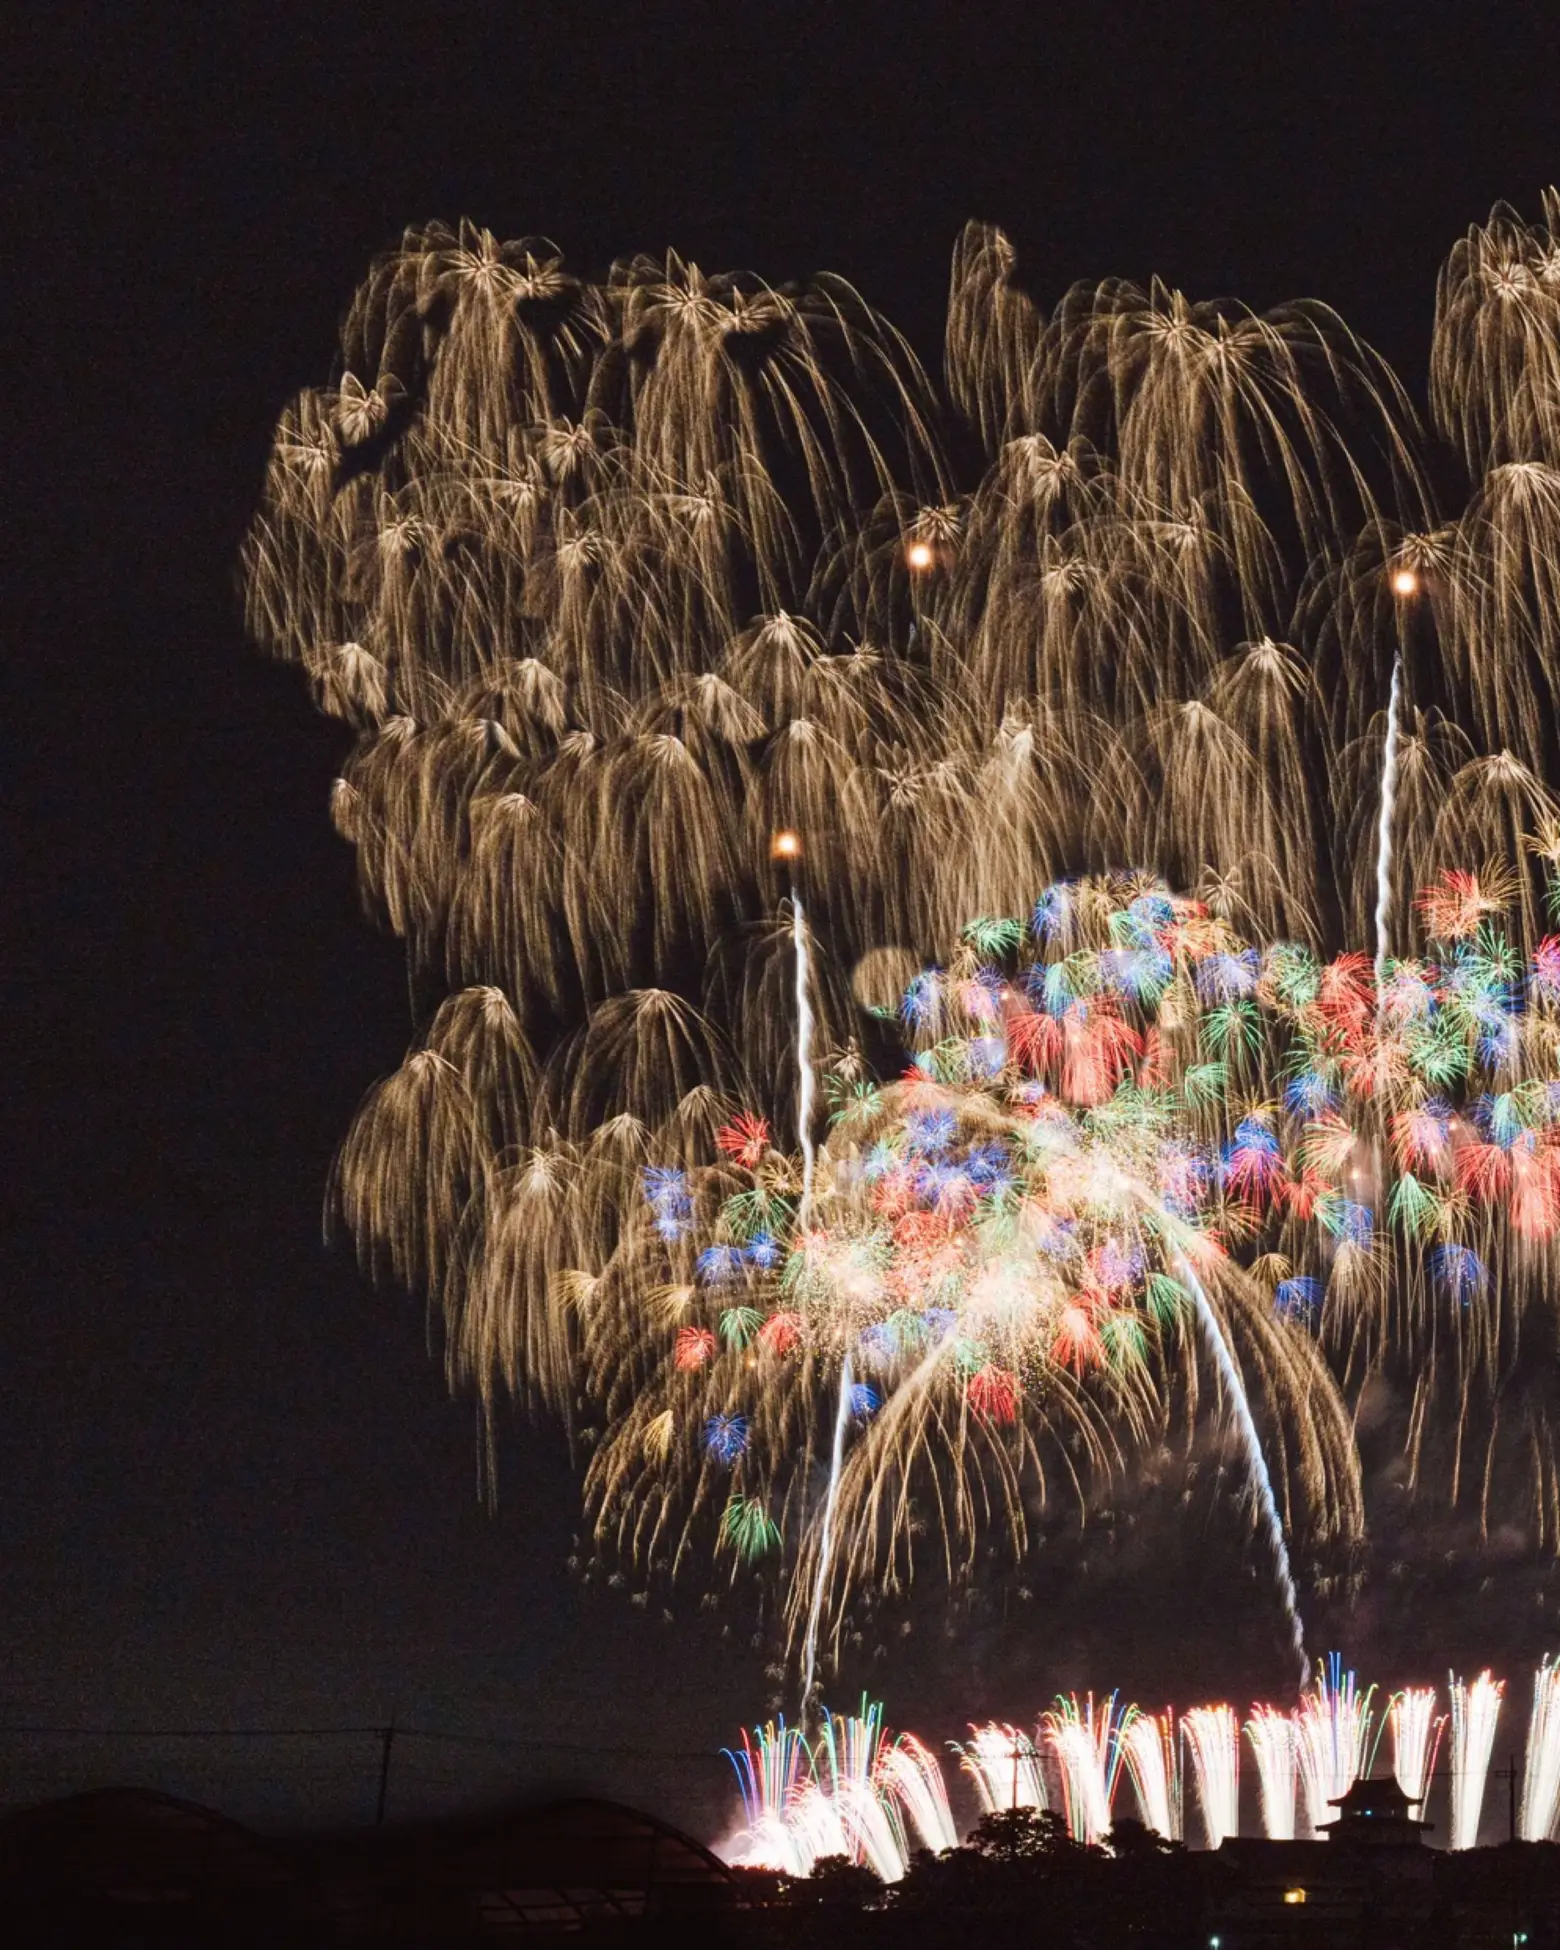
[[1475, 1710], [1333, 1739], [1004, 1764], [855, 1790], [1213, 1735], [1085, 1741], [1273, 1737], [1541, 1777], [1416, 1739], [1151, 1746]]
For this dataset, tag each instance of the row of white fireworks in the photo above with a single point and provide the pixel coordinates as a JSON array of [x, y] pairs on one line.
[[857, 1791]]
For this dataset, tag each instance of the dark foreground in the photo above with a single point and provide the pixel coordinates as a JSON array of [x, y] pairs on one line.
[[135, 1869]]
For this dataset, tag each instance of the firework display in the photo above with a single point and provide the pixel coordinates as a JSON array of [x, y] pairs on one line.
[[1541, 1778], [1152, 1748], [1213, 1737], [1475, 1710], [1124, 1136], [1274, 1742], [1086, 1742], [705, 689], [1416, 1739], [1004, 1764], [854, 1792], [1333, 1743]]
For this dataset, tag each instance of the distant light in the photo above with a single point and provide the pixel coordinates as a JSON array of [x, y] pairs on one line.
[[1404, 582], [1294, 1895], [920, 557], [785, 846]]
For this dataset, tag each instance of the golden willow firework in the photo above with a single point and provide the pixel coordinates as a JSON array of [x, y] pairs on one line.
[[616, 579]]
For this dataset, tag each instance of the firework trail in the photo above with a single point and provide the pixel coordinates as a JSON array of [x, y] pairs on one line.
[[804, 1113], [805, 1086], [1272, 1734], [1541, 1774], [1151, 1746], [1416, 1740], [1256, 1463], [826, 1535], [1389, 771], [1213, 1735], [1004, 1764], [1475, 1710], [787, 845], [850, 1792]]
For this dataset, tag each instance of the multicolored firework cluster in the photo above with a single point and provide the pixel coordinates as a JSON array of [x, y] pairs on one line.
[[856, 1792], [1116, 1117]]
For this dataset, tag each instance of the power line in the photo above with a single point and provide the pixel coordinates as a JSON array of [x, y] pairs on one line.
[[374, 1732]]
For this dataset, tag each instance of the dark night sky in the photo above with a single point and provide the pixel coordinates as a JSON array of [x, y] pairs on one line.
[[234, 1492]]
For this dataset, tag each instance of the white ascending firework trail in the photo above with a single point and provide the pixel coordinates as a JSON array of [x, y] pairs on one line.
[[804, 1030], [1541, 1775], [804, 1112], [1416, 1737], [1261, 1482], [826, 1540], [1389, 771], [1475, 1709]]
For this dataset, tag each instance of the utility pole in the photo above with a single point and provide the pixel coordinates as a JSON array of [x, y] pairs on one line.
[[387, 1737], [1511, 1797]]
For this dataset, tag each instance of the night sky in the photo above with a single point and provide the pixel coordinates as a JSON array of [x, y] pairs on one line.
[[235, 1493]]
